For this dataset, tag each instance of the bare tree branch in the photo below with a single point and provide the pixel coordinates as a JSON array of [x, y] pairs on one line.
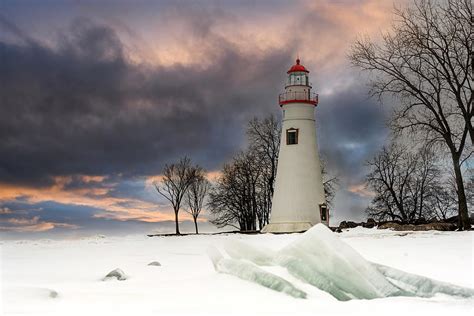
[[176, 179], [425, 62]]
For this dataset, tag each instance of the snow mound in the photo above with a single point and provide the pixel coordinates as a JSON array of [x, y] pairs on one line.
[[318, 257], [115, 274]]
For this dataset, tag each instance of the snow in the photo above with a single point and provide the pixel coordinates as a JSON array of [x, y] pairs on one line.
[[64, 277]]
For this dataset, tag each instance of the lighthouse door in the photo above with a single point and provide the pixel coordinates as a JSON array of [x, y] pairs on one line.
[[324, 212]]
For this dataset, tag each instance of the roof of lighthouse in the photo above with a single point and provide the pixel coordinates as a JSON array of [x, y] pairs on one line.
[[297, 67]]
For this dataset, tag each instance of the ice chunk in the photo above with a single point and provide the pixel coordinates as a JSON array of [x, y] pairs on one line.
[[155, 263], [303, 271], [115, 274], [250, 272], [325, 261], [420, 285], [260, 256], [321, 259]]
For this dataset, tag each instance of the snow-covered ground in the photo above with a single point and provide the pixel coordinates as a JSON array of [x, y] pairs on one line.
[[49, 277]]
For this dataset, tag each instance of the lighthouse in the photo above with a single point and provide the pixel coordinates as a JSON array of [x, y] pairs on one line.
[[298, 201]]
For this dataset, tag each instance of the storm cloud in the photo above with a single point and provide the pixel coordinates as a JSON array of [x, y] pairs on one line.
[[86, 120], [84, 108]]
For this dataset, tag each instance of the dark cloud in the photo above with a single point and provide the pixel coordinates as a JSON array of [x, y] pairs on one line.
[[80, 106], [84, 108], [351, 128]]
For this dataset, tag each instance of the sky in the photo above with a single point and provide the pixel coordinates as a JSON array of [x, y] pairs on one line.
[[97, 96]]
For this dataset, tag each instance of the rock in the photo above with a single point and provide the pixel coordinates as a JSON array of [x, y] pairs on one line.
[[390, 225], [371, 223], [423, 227], [155, 263], [454, 219], [420, 221], [53, 294], [437, 226], [348, 224], [116, 274], [408, 227]]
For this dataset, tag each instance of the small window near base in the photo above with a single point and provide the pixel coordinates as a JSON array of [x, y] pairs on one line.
[[292, 136], [324, 212]]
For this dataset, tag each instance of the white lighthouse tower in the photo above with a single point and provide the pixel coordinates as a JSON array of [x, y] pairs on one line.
[[298, 200]]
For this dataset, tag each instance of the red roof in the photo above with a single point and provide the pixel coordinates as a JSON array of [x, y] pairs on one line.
[[297, 67]]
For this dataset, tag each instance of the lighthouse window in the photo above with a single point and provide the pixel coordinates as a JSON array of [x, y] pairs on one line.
[[292, 136]]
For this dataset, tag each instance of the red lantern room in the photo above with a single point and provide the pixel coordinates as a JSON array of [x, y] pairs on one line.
[[297, 68], [298, 87]]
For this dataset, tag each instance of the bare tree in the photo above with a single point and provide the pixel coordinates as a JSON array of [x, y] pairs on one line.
[[264, 140], [176, 180], [470, 187], [443, 202], [235, 199], [426, 63], [402, 182], [196, 195], [330, 184]]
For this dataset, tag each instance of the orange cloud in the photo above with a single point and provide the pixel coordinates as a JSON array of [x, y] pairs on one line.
[[88, 179], [210, 175], [118, 208], [361, 190], [213, 175], [321, 31], [32, 225]]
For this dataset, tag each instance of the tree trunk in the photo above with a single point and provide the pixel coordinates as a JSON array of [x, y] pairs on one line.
[[463, 214], [176, 222], [471, 130], [196, 225]]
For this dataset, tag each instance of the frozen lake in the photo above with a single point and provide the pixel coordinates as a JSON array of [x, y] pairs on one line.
[[64, 277]]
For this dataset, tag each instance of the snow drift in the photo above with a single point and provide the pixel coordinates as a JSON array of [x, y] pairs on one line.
[[318, 257]]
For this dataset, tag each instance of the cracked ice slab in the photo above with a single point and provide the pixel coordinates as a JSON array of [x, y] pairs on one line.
[[320, 258], [422, 286], [248, 271]]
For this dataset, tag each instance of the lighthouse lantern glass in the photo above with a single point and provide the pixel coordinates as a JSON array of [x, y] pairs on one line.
[[298, 79]]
